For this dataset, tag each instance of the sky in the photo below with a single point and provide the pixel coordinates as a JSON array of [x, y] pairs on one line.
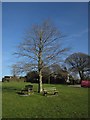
[[69, 17], [0, 40]]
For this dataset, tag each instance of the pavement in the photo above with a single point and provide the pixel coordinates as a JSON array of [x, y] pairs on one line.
[[77, 86]]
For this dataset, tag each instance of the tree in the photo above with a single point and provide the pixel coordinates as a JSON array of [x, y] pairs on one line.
[[79, 63], [59, 73], [46, 72], [42, 47], [32, 77]]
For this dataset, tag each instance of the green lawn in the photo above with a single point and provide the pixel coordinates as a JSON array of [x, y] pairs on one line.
[[0, 99], [70, 103]]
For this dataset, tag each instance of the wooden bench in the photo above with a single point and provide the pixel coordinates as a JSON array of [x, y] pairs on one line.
[[50, 90], [27, 90]]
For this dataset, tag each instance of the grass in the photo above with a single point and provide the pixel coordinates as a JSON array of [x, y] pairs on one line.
[[0, 99], [70, 103]]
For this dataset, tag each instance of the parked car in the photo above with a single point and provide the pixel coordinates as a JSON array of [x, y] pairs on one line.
[[85, 83]]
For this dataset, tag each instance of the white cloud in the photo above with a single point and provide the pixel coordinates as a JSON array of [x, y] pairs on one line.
[[80, 34], [77, 35]]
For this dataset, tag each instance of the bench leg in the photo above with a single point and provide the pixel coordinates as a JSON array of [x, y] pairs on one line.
[[56, 93], [44, 94]]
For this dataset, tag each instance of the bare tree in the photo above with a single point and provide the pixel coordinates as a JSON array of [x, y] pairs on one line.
[[58, 71], [79, 63], [42, 46]]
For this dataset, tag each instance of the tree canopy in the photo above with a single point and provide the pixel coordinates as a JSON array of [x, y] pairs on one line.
[[79, 63]]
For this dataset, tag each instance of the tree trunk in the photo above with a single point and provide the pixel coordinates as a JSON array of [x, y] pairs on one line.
[[40, 67], [40, 82], [81, 75]]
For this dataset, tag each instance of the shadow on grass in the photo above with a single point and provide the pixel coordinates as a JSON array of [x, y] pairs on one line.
[[9, 89], [19, 92]]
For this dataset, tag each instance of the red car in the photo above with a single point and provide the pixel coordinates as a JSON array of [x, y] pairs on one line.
[[85, 83]]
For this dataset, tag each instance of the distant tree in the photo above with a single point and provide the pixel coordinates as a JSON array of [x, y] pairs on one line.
[[59, 73], [42, 46], [79, 63], [58, 70], [32, 77], [46, 73], [87, 75]]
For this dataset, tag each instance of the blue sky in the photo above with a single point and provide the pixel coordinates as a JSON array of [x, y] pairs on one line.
[[70, 18]]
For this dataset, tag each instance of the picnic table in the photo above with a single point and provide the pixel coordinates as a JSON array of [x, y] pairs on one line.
[[28, 89], [50, 91]]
